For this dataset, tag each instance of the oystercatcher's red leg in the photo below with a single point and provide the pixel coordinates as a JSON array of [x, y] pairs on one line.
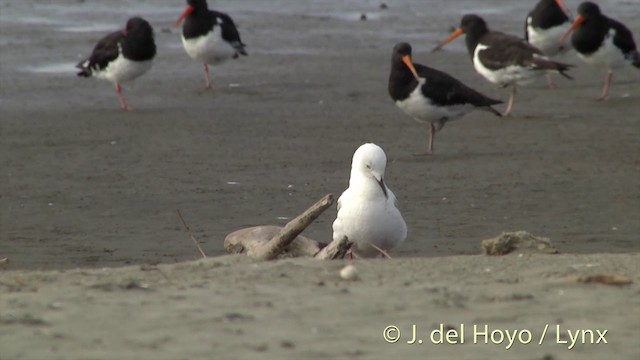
[[123, 104], [512, 95], [432, 131], [605, 89], [550, 83], [206, 77]]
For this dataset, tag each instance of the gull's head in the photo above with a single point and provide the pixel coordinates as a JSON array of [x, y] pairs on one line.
[[370, 161]]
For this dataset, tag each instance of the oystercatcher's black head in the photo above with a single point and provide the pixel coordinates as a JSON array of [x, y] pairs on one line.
[[138, 44], [402, 49], [198, 3], [192, 6], [553, 4], [472, 25], [547, 14], [138, 25], [401, 57], [586, 11]]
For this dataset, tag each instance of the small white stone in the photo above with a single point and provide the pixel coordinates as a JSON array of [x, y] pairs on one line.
[[349, 273]]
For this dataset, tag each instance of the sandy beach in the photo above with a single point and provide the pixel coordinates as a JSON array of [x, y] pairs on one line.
[[100, 266]]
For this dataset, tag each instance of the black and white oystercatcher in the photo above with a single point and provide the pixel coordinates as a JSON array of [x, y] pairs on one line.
[[429, 95], [545, 25], [209, 36], [122, 56], [503, 59], [603, 42]]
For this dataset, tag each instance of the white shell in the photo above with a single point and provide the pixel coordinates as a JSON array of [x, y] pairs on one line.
[[349, 273]]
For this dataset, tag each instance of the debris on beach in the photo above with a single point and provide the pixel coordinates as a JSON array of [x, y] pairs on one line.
[[522, 241], [349, 273], [268, 242], [248, 239], [605, 278]]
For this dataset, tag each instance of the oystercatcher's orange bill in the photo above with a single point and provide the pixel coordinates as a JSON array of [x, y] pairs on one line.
[[579, 20], [187, 11], [457, 32], [407, 61]]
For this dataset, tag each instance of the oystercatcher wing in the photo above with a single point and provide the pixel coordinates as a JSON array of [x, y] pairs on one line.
[[230, 33], [430, 95], [122, 56], [602, 41], [498, 51], [444, 90], [105, 51], [209, 36], [500, 58]]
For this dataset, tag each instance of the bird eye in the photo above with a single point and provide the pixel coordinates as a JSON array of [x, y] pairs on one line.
[[368, 166]]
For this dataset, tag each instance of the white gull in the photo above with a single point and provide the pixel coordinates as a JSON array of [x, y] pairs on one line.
[[367, 211]]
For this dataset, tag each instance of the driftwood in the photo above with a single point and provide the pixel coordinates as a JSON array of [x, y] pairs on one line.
[[270, 242], [335, 250], [184, 223], [246, 241], [278, 243]]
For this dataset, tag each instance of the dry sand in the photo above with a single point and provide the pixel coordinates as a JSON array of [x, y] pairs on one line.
[[87, 186], [232, 308]]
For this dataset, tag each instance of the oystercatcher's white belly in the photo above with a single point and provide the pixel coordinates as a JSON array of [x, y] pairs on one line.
[[422, 109], [122, 70], [548, 40], [607, 56], [209, 48], [510, 75]]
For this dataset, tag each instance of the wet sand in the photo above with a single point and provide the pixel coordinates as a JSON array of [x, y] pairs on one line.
[[88, 186]]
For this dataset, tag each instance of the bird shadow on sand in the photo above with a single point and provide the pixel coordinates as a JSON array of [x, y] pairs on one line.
[[444, 157], [227, 89]]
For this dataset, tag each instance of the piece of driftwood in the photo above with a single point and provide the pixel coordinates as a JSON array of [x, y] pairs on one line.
[[268, 242], [278, 243], [184, 223], [336, 249], [248, 239], [605, 278]]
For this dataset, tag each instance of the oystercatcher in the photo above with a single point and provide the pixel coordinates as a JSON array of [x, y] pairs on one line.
[[602, 41], [544, 26], [503, 59], [429, 95], [367, 211], [209, 36], [122, 56]]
